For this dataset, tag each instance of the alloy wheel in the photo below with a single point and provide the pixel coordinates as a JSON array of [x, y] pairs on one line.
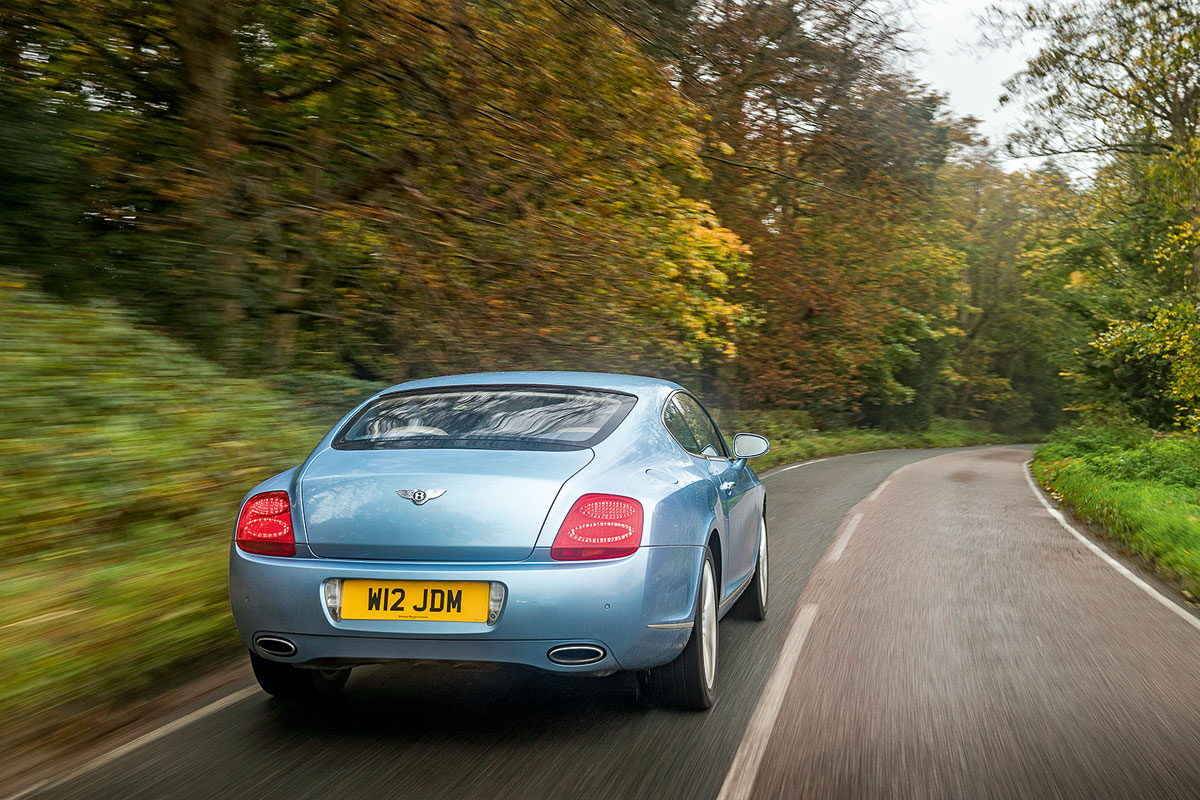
[[708, 626]]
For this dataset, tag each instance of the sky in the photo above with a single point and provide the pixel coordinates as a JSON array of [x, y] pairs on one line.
[[971, 75]]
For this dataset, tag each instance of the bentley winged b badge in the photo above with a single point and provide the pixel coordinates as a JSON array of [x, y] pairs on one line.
[[419, 496]]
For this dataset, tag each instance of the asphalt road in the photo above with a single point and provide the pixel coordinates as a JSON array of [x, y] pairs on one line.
[[941, 636]]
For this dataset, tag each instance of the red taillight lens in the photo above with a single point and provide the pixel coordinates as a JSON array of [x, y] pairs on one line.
[[599, 526], [265, 526]]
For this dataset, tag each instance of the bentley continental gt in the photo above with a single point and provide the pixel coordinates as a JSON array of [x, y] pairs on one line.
[[575, 522]]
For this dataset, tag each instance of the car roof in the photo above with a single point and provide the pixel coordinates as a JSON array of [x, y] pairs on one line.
[[633, 384]]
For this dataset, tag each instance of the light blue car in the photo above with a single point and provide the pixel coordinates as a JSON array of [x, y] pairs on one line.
[[575, 522]]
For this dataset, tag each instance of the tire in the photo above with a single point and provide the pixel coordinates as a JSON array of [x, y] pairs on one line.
[[689, 682], [288, 682], [755, 598]]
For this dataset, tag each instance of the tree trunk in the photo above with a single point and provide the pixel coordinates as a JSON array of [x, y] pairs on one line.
[[1196, 256], [1194, 214], [324, 272], [208, 52]]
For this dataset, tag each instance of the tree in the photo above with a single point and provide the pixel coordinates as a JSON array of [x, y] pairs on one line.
[[1118, 78], [812, 139], [403, 187], [1013, 337]]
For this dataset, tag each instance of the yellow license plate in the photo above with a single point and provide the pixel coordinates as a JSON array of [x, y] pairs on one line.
[[449, 601]]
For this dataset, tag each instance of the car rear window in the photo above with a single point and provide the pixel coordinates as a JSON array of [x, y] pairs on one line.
[[508, 418]]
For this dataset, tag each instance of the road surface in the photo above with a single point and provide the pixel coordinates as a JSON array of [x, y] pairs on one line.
[[935, 632]]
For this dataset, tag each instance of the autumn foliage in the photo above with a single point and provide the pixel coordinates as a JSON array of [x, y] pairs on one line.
[[754, 198]]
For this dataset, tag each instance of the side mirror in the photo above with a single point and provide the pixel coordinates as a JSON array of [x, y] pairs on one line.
[[750, 445]]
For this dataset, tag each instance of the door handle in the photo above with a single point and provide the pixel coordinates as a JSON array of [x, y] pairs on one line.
[[728, 486]]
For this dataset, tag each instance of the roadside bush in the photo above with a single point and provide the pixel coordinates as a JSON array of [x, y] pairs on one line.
[[1095, 437], [124, 457]]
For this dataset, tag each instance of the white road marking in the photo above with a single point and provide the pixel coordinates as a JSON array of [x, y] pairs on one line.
[[141, 741], [878, 490], [1112, 562], [739, 781], [795, 466], [839, 546]]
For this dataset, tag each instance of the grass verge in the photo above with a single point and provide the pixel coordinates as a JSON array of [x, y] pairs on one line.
[[123, 458], [1142, 487]]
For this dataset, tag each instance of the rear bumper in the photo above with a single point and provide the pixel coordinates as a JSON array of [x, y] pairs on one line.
[[547, 604]]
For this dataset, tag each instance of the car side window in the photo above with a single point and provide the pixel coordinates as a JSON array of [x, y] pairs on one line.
[[703, 428], [677, 425]]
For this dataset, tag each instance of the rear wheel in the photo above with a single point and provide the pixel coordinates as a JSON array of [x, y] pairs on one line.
[[288, 682], [756, 593], [690, 680]]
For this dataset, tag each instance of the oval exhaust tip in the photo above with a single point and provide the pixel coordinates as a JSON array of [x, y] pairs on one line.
[[576, 654], [275, 646]]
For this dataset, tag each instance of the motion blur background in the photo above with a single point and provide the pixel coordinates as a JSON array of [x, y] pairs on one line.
[[223, 223]]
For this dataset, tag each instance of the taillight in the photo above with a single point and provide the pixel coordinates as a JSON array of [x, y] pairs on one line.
[[599, 526], [265, 526]]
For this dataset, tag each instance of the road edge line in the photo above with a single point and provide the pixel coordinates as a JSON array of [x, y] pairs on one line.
[[879, 489], [1058, 516], [141, 741], [843, 539], [778, 470], [743, 772]]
